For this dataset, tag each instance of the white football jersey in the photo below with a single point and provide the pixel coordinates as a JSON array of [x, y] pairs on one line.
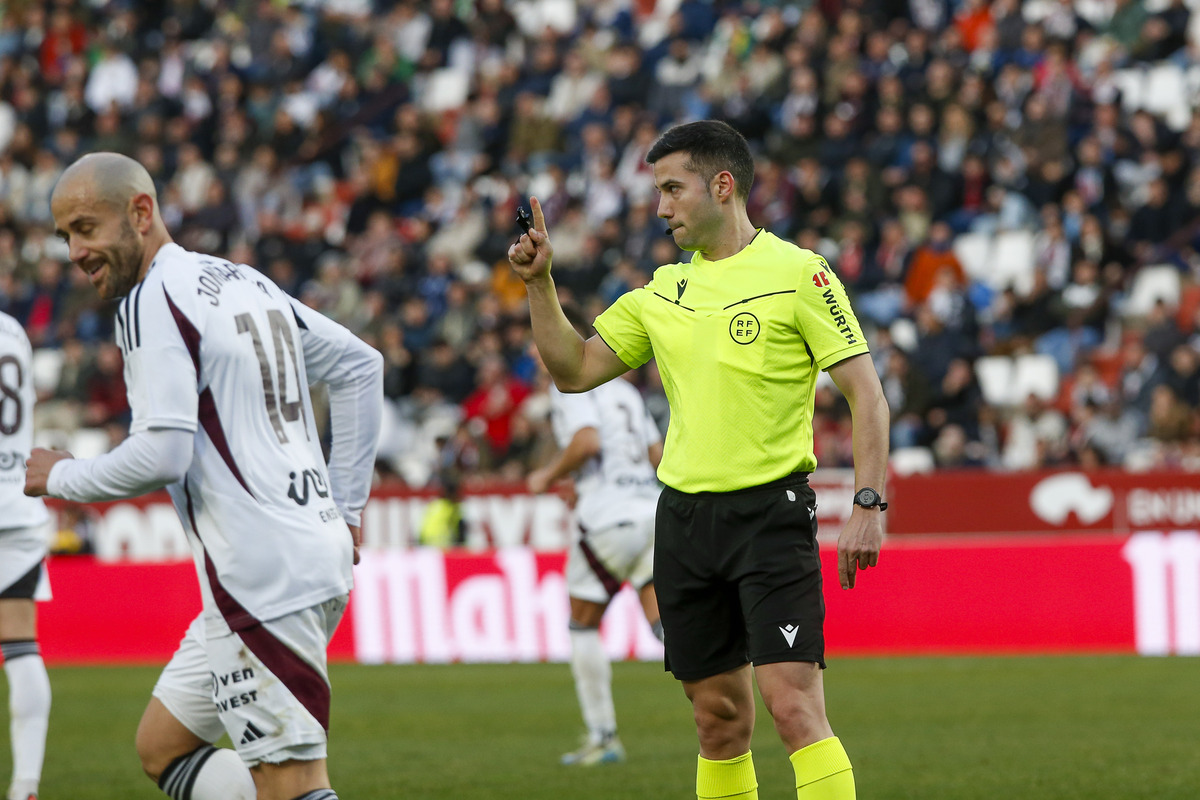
[[619, 484], [16, 427], [218, 349]]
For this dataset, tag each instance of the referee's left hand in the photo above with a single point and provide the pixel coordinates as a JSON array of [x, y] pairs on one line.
[[859, 543]]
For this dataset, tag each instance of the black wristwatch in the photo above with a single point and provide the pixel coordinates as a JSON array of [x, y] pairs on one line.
[[869, 498]]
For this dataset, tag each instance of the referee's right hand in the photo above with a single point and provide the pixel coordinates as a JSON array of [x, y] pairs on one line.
[[859, 544], [531, 254]]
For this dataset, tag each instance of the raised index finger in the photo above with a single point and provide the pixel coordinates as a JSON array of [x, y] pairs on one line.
[[539, 219]]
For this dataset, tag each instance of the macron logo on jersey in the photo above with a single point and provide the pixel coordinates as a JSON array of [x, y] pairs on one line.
[[789, 633], [680, 287]]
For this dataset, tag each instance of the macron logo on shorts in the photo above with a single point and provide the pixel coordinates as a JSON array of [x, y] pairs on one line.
[[789, 633]]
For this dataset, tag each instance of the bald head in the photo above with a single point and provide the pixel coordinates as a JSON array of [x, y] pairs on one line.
[[109, 178], [106, 209]]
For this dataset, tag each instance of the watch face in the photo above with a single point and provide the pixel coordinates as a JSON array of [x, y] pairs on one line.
[[866, 497]]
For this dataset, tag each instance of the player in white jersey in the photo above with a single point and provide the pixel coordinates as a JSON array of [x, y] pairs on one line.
[[609, 442], [24, 533], [217, 366]]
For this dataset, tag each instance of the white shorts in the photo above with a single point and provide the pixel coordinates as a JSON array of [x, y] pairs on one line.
[[21, 550], [266, 686], [600, 561]]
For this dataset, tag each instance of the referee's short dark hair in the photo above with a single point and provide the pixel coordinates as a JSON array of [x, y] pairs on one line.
[[712, 147]]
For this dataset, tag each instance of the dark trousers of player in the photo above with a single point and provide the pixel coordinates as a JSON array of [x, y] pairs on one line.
[[738, 576]]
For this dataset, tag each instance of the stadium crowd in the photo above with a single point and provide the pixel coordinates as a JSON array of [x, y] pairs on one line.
[[369, 156]]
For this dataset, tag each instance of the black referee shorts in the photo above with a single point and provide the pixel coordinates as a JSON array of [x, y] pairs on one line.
[[738, 577]]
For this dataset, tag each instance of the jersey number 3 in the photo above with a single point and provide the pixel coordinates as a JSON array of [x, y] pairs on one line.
[[279, 409]]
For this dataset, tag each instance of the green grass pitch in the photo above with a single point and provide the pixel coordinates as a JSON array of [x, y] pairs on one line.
[[1054, 728]]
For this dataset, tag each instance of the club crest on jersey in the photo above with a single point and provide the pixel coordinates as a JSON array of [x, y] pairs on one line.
[[300, 494], [744, 328]]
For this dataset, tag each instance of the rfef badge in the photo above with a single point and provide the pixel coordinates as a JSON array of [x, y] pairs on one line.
[[744, 328]]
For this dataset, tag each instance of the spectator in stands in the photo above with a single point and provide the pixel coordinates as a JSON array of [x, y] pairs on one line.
[[908, 395], [1141, 371], [495, 402], [1036, 436], [953, 450], [1109, 428], [956, 401], [1169, 420], [929, 260], [106, 398]]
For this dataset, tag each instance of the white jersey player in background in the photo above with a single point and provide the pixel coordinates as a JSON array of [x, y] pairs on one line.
[[25, 527], [217, 366], [609, 442]]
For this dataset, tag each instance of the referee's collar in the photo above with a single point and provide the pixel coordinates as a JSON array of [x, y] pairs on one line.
[[698, 257]]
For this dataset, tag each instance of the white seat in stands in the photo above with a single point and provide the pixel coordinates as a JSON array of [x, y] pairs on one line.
[[445, 89], [89, 443], [1013, 261], [974, 251], [1151, 284], [995, 376], [46, 367], [1132, 83], [910, 460], [1034, 374], [1166, 95]]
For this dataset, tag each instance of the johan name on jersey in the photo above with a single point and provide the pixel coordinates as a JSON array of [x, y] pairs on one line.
[[211, 277]]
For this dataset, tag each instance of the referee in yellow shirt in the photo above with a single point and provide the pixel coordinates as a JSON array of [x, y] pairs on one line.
[[739, 334]]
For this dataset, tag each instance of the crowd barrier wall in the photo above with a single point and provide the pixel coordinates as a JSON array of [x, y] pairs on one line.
[[975, 563]]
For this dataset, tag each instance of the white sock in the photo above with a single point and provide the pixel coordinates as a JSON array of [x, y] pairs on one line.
[[208, 773], [29, 710], [593, 682]]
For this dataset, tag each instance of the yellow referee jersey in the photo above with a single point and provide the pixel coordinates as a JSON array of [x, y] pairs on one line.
[[738, 342]]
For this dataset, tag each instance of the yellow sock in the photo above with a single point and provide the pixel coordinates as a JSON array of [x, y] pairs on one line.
[[823, 771], [733, 778]]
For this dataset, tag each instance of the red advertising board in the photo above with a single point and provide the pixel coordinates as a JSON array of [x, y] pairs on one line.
[[147, 528], [1028, 502], [929, 595], [1102, 561]]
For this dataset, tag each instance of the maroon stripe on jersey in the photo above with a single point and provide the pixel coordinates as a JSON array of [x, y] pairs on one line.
[[300, 678], [209, 420], [607, 579], [212, 426], [236, 617], [191, 336]]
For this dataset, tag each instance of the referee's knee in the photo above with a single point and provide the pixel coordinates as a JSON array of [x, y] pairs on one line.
[[722, 725], [799, 723]]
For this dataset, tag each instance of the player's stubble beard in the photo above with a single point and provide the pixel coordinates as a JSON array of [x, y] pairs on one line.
[[124, 264]]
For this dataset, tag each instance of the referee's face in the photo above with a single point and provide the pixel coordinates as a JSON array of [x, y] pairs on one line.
[[687, 203]]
